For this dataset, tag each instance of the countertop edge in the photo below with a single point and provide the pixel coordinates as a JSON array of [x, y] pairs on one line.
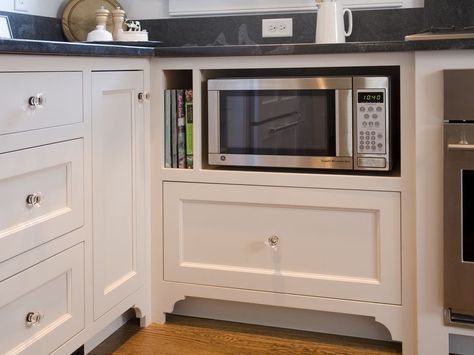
[[35, 47]]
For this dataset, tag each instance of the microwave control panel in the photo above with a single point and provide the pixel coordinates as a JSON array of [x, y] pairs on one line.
[[371, 136], [371, 122]]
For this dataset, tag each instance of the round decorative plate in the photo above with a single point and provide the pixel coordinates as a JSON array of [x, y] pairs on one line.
[[79, 17]]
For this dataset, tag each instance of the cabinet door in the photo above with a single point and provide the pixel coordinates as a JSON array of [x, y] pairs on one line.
[[329, 243], [118, 186]]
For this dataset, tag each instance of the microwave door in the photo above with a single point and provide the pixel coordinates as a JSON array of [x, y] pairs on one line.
[[302, 123], [459, 223]]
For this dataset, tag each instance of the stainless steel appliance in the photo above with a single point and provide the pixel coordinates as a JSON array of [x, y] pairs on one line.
[[301, 122], [447, 19], [459, 197], [443, 33]]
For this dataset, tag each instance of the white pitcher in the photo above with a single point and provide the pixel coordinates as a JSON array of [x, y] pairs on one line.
[[330, 24]]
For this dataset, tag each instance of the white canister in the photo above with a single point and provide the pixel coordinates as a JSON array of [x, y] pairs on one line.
[[330, 23]]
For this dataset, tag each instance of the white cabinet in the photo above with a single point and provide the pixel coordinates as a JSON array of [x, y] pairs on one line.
[[42, 191], [43, 306], [73, 165], [42, 256], [340, 244], [345, 242], [36, 100], [118, 186]]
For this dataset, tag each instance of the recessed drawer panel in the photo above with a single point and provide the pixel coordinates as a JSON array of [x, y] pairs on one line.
[[43, 306], [42, 195], [39, 100], [331, 243]]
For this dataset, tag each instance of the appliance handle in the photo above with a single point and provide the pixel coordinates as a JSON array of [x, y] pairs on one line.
[[214, 122], [344, 123], [464, 147]]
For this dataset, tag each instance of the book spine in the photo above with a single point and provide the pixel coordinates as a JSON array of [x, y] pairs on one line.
[[167, 129], [189, 128], [181, 129], [174, 131]]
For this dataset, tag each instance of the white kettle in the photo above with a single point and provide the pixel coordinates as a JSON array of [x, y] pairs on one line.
[[330, 24]]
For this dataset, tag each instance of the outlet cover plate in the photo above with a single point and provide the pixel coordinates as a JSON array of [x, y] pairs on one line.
[[21, 5], [277, 27]]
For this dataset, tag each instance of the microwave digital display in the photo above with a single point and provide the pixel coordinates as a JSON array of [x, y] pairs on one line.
[[370, 97]]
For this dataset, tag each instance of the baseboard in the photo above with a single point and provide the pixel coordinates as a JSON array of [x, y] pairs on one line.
[[108, 331], [298, 319]]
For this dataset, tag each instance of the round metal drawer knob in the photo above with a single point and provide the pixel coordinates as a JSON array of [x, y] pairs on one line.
[[36, 101], [34, 200], [273, 241], [33, 318], [142, 96]]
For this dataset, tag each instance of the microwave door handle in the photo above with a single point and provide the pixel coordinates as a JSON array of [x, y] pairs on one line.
[[464, 147], [343, 111], [214, 122]]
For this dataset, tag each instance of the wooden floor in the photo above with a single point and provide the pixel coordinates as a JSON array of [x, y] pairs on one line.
[[186, 335]]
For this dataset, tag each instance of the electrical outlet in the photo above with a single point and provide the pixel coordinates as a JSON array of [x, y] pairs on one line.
[[21, 5], [277, 27]]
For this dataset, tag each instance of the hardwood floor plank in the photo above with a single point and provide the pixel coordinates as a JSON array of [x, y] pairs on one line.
[[191, 336]]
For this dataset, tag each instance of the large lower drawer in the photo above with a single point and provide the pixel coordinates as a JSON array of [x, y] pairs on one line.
[[341, 244], [42, 195], [43, 306], [37, 100]]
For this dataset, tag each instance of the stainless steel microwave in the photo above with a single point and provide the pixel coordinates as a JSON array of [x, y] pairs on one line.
[[304, 122]]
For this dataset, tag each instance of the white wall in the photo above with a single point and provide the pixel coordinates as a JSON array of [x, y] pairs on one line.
[[145, 9], [219, 7], [136, 9], [47, 8]]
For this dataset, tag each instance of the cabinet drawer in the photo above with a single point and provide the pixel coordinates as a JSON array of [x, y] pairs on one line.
[[51, 176], [59, 100], [54, 289], [331, 243]]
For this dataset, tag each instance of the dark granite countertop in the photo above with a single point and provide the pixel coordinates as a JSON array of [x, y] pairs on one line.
[[310, 48], [19, 46], [26, 46]]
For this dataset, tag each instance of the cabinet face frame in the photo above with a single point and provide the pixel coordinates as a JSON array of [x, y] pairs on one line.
[[79, 130], [400, 320]]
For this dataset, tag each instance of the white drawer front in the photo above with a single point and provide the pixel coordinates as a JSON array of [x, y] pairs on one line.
[[53, 174], [53, 288], [330, 243], [60, 100]]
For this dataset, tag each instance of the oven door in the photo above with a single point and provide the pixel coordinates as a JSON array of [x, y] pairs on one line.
[[459, 223], [281, 122]]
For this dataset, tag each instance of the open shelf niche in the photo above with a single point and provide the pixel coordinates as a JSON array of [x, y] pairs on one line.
[[178, 119]]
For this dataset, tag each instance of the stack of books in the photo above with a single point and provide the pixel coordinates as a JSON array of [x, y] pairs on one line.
[[179, 129]]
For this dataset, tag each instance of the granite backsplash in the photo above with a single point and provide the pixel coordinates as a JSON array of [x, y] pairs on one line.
[[35, 27], [445, 13], [375, 25], [369, 25]]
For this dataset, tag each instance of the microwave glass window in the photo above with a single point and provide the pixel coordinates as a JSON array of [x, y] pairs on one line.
[[278, 122], [467, 213]]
